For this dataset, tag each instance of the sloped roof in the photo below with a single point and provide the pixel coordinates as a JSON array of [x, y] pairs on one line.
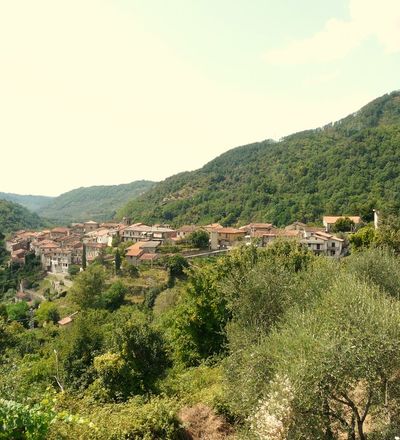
[[331, 219]]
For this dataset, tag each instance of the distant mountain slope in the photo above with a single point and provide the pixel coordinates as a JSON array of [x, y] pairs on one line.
[[14, 217], [33, 203], [95, 202], [349, 167]]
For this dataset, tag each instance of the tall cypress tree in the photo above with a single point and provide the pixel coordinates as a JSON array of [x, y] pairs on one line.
[[84, 262], [117, 261]]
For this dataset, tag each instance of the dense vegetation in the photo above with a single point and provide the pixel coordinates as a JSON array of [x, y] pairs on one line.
[[14, 217], [96, 202], [33, 203], [349, 167], [270, 344]]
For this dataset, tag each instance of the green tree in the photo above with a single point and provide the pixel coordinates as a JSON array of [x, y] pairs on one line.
[[363, 238], [79, 345], [117, 261], [73, 269], [114, 296], [388, 233], [88, 287], [47, 312], [18, 312], [343, 224], [339, 358], [199, 239], [84, 261], [138, 352], [130, 269], [176, 264]]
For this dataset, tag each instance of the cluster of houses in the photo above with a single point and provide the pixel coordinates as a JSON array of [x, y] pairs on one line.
[[61, 247]]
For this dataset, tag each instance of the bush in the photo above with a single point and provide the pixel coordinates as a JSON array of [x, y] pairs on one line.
[[73, 269], [137, 419], [199, 239], [114, 296], [47, 312], [18, 311], [20, 421]]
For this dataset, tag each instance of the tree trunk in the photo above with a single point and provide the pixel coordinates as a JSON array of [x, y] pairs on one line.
[[360, 429]]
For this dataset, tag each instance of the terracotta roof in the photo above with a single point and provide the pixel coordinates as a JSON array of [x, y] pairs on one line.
[[112, 225], [96, 245], [213, 226], [257, 226], [67, 319], [51, 245], [98, 232], [282, 233], [331, 219], [61, 230], [19, 252], [187, 228], [230, 231], [135, 252], [328, 236]]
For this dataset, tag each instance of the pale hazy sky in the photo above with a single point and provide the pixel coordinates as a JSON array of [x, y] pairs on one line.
[[110, 91]]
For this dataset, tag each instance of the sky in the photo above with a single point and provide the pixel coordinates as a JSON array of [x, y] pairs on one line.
[[99, 92]]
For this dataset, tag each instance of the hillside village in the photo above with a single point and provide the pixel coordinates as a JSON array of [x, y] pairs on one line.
[[61, 247]]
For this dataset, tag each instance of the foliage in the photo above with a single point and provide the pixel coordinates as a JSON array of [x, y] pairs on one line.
[[339, 371], [18, 311], [363, 238], [47, 312], [117, 261], [20, 421], [154, 419], [176, 264], [199, 239], [114, 296], [30, 272], [271, 419], [95, 202], [32, 203], [343, 224], [130, 269], [377, 266], [80, 344], [350, 166], [84, 259], [88, 286], [73, 269], [388, 233], [139, 353], [14, 217]]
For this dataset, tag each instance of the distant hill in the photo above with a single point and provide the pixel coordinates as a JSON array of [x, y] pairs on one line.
[[14, 217], [33, 203], [348, 167], [95, 202]]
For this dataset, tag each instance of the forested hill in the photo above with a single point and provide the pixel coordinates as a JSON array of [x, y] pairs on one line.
[[348, 167], [94, 202], [33, 203], [14, 217]]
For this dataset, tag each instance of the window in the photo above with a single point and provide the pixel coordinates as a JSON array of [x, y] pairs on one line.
[[333, 244], [318, 247]]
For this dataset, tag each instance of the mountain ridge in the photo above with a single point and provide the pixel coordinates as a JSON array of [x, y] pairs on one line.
[[31, 202], [98, 202], [342, 167], [14, 217]]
